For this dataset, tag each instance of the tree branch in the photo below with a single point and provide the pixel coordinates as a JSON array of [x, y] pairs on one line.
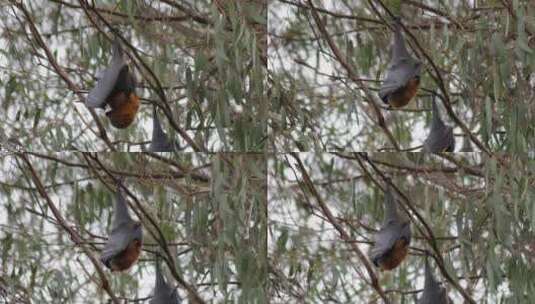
[[343, 234], [74, 235], [352, 75], [74, 88]]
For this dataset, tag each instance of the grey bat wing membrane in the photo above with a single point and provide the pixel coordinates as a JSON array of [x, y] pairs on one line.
[[433, 293], [402, 66], [163, 292], [119, 239], [398, 75], [98, 95], [160, 142]]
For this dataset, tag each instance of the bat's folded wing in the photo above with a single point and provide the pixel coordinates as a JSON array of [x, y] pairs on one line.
[[119, 239], [433, 293], [164, 293], [439, 139], [160, 142], [438, 296], [97, 96], [161, 145], [399, 73], [385, 240]]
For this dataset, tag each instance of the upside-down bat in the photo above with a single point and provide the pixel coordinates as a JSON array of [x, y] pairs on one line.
[[160, 142], [392, 241], [125, 241], [163, 292], [403, 74], [440, 138], [433, 293], [116, 88]]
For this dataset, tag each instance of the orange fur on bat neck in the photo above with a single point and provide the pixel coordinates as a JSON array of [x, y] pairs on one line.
[[127, 257], [395, 256], [403, 96], [123, 109]]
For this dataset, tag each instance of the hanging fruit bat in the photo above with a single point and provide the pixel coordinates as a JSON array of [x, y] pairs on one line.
[[163, 292], [124, 243], [440, 138], [116, 88], [160, 142], [403, 74], [392, 241], [433, 293]]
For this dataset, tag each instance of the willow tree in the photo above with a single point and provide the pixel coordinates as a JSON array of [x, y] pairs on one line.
[[203, 217], [201, 63], [328, 59], [472, 218]]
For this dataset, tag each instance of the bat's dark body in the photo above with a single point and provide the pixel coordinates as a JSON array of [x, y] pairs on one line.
[[403, 75], [160, 142], [163, 292], [433, 293], [440, 138], [126, 258], [116, 88], [392, 241], [125, 241]]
